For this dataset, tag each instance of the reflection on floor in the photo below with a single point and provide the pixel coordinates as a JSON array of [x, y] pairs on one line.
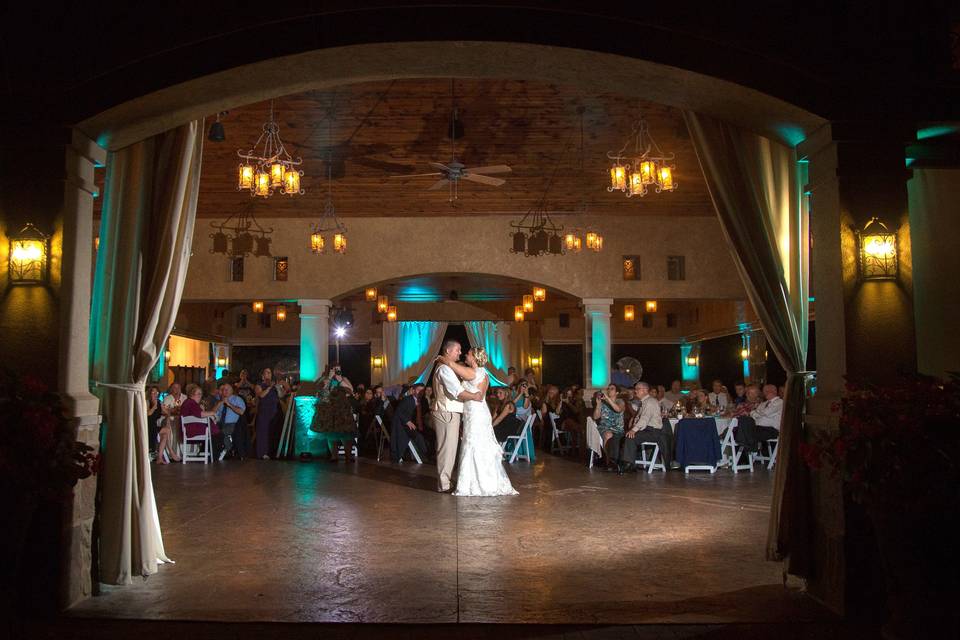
[[369, 542]]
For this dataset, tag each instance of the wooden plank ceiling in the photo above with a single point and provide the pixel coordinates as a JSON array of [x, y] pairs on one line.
[[390, 128]]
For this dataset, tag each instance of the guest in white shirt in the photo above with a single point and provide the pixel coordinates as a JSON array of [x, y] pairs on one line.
[[647, 426], [665, 404], [768, 413], [674, 393], [719, 397]]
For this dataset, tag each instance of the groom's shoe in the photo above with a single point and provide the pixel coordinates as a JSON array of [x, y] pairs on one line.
[[442, 490]]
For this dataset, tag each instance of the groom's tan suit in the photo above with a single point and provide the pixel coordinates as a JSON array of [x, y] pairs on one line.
[[446, 412]]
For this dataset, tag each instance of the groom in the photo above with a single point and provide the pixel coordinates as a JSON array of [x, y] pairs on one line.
[[447, 408]]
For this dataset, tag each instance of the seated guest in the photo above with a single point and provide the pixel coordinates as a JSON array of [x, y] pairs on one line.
[[496, 397], [169, 435], [646, 426], [739, 393], [673, 394], [768, 413], [231, 412], [521, 401], [665, 405], [407, 426], [750, 402], [531, 377], [608, 414], [191, 408], [718, 397], [154, 417], [512, 377], [551, 404], [505, 421]]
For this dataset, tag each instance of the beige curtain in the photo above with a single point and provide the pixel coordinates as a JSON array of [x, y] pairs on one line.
[[145, 238], [496, 339], [753, 182], [409, 349]]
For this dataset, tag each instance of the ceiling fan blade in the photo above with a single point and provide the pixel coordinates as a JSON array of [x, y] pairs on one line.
[[439, 184], [441, 167], [497, 168], [495, 182], [418, 175]]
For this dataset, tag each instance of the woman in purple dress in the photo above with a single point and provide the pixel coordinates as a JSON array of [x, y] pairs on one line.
[[268, 401]]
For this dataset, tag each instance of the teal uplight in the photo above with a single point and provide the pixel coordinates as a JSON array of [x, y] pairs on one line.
[[600, 353], [307, 440], [909, 162], [791, 134], [417, 293], [414, 341], [936, 131]]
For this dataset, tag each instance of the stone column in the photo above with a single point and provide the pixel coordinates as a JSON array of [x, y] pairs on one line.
[[596, 345], [82, 155], [314, 337]]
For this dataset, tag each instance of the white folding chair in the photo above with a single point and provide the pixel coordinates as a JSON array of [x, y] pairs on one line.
[[736, 452], [385, 436], [519, 441], [557, 443], [650, 463], [773, 444], [203, 442]]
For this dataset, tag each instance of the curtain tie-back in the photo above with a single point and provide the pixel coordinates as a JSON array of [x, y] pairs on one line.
[[130, 387]]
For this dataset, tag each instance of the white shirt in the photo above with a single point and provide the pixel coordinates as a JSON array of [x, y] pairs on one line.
[[768, 413], [450, 387], [170, 402], [666, 405], [718, 398], [672, 397], [649, 415]]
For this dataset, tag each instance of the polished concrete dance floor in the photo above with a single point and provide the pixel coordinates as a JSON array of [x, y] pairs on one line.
[[372, 542]]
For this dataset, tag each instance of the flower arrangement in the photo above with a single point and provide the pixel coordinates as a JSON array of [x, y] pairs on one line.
[[39, 454], [897, 442]]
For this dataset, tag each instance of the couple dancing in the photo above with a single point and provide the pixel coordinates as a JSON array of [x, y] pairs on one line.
[[459, 391]]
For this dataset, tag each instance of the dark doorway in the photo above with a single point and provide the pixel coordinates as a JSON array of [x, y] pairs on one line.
[[354, 362], [661, 362], [563, 364], [457, 332], [720, 360]]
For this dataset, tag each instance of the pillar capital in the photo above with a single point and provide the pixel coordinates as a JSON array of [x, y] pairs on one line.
[[596, 305], [313, 308]]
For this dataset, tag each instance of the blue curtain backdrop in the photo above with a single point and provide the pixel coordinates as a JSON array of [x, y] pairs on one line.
[[409, 349]]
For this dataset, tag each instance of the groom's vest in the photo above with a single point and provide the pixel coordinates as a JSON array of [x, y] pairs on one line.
[[441, 399]]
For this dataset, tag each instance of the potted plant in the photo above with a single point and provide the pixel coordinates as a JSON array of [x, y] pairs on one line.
[[898, 454], [40, 462]]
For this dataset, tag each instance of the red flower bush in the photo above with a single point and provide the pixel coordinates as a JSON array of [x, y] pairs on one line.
[[39, 453]]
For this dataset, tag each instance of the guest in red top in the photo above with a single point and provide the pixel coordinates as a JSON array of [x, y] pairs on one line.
[[191, 407]]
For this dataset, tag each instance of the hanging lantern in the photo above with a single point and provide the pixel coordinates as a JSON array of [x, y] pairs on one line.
[[528, 303], [242, 244], [599, 244], [340, 243], [316, 242], [371, 294], [245, 177], [391, 314], [570, 242], [291, 182], [167, 355], [651, 306], [665, 179], [629, 313], [577, 244], [281, 313], [263, 184], [219, 242], [221, 362], [276, 174], [258, 306], [555, 245], [618, 178], [648, 172], [637, 187], [263, 247], [519, 242], [539, 294], [382, 304], [518, 313]]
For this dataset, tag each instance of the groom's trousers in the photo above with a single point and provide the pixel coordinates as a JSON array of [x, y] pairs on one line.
[[447, 426]]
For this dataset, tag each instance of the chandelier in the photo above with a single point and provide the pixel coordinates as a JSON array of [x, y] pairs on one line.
[[535, 234], [329, 223], [239, 235], [647, 166], [267, 167], [572, 240]]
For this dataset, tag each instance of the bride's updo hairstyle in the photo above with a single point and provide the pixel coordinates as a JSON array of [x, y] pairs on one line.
[[480, 355]]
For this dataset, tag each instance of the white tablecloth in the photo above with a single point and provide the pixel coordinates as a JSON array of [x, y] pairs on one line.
[[594, 440]]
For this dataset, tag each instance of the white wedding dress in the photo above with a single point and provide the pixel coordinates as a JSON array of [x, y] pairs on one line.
[[481, 471]]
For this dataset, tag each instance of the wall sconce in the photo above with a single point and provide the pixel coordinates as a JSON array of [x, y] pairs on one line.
[[221, 362], [878, 252], [96, 243], [528, 304], [745, 354], [29, 251], [629, 313], [534, 361], [258, 306], [371, 294], [377, 362], [391, 314], [281, 313], [166, 355], [651, 306], [539, 294], [518, 313], [383, 303], [692, 360]]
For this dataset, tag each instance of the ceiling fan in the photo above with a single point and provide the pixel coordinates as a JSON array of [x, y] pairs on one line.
[[455, 171]]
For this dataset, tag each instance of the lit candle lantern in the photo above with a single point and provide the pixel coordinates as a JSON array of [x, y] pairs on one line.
[[316, 243], [648, 171], [666, 179], [391, 314], [618, 177], [637, 187], [245, 177], [276, 174], [340, 243], [518, 313], [382, 303], [291, 183], [371, 294], [528, 304], [570, 241], [258, 306], [221, 362], [591, 240], [263, 184], [577, 244], [539, 294], [651, 306], [878, 252], [281, 313], [629, 313]]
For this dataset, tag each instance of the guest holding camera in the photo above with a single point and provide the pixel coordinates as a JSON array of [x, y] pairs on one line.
[[608, 413]]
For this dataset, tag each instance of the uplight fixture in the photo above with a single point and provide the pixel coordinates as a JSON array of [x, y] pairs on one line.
[[28, 261]]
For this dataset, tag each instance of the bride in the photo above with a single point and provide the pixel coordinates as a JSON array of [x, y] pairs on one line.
[[481, 471]]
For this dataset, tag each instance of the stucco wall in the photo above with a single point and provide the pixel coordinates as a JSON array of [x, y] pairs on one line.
[[383, 249]]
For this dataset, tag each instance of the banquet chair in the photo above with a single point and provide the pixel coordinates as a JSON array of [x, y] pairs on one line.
[[519, 441], [557, 443], [353, 449], [650, 463], [385, 436], [203, 443], [773, 444], [736, 452]]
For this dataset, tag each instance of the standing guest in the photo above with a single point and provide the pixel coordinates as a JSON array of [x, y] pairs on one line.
[[739, 393], [365, 422], [171, 411], [404, 428], [230, 416], [334, 414], [573, 413], [782, 391], [647, 426], [608, 414], [268, 394], [768, 413], [154, 418], [719, 397]]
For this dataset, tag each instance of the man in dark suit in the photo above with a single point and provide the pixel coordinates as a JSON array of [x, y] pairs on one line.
[[403, 428]]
